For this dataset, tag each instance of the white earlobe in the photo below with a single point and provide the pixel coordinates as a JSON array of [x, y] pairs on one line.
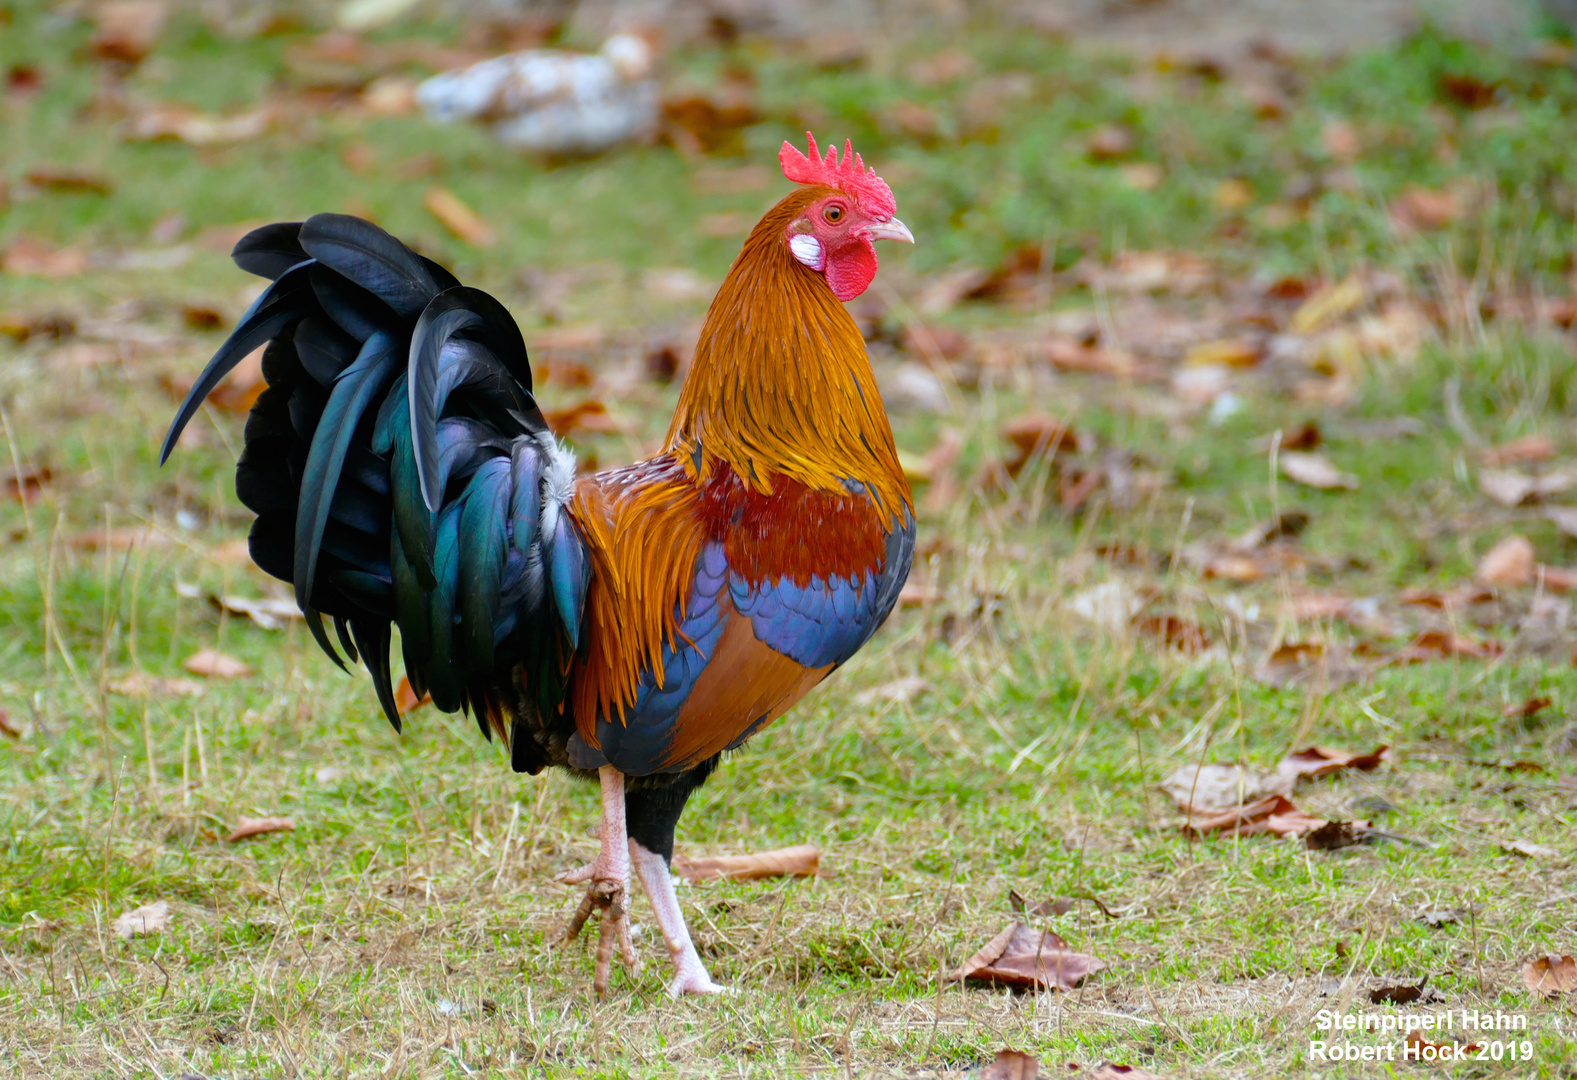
[[807, 249]]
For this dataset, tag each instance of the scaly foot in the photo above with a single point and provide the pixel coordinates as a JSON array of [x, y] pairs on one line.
[[608, 890], [690, 975]]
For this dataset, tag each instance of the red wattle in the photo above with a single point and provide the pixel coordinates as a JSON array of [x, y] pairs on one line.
[[851, 268]]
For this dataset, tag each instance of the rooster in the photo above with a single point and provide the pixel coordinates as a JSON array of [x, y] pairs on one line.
[[632, 625]]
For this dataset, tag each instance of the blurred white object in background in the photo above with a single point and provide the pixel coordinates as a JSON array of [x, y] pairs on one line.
[[553, 102]]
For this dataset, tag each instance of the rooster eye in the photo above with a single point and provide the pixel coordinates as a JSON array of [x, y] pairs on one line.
[[833, 214]]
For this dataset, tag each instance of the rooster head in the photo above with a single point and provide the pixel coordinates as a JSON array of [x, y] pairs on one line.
[[835, 234]]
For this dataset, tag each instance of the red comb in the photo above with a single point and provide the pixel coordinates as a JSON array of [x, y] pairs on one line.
[[850, 177]]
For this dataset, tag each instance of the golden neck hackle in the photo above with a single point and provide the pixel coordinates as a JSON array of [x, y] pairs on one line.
[[781, 384]]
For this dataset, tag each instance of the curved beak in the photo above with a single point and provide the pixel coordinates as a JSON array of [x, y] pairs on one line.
[[891, 229]]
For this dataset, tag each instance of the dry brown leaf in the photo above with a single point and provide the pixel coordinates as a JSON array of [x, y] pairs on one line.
[[213, 664], [405, 699], [1042, 908], [1092, 359], [1312, 607], [801, 860], [1038, 434], [1524, 710], [25, 483], [1460, 597], [453, 214], [1322, 761], [1233, 193], [1174, 631], [139, 684], [1212, 788], [1550, 975], [1527, 849], [28, 256], [1556, 578], [1110, 142], [270, 613], [590, 416], [147, 919], [66, 179], [1419, 208], [898, 692], [1334, 835], [1032, 959], [1564, 519], [127, 29], [1526, 450], [1511, 488], [1274, 814], [7, 728], [1441, 645], [1108, 1071], [1314, 470], [1403, 994], [248, 827], [182, 123], [1142, 175], [391, 95], [1227, 352], [1012, 1065], [1508, 564], [1340, 140]]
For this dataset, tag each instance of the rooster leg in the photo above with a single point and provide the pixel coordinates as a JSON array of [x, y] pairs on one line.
[[690, 975], [609, 888]]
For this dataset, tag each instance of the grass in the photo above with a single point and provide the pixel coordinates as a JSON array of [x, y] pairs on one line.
[[404, 928]]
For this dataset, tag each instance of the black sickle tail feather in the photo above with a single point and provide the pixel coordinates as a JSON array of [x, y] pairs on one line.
[[400, 468]]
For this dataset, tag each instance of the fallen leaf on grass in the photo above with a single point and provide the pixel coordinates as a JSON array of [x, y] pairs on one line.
[[1462, 596], [1336, 834], [1509, 563], [588, 416], [8, 729], [65, 179], [898, 692], [802, 860], [1108, 1071], [1527, 849], [454, 215], [1529, 448], [1420, 208], [1275, 815], [1438, 917], [1526, 710], [1423, 1049], [1315, 470], [148, 919], [1322, 761], [1440, 645], [1564, 518], [213, 664], [24, 483], [1043, 908], [182, 123], [1340, 140], [271, 613], [127, 29], [1030, 959], [248, 827], [1550, 975], [917, 594], [1110, 142], [139, 684], [1211, 788], [405, 699], [1398, 995], [1012, 1065], [28, 256], [1510, 488], [1175, 632]]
